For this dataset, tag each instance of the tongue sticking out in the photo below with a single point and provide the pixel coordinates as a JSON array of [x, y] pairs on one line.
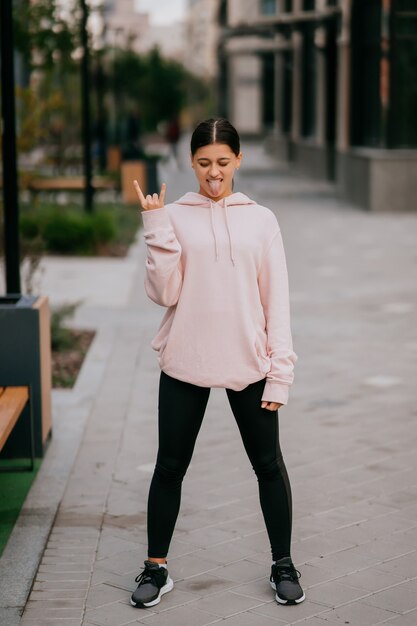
[[215, 186]]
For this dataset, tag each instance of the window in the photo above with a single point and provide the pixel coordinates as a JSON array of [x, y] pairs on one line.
[[287, 92], [268, 90], [223, 13], [309, 5], [365, 107], [402, 129], [268, 7], [308, 109]]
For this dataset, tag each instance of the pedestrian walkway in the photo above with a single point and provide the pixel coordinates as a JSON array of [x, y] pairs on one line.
[[348, 436]]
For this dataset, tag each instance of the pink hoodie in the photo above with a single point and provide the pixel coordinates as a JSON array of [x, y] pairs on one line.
[[220, 269]]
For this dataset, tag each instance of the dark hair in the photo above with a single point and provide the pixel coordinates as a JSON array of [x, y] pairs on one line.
[[215, 130]]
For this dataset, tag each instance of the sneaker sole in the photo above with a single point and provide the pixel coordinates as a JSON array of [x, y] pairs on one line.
[[169, 585], [282, 601]]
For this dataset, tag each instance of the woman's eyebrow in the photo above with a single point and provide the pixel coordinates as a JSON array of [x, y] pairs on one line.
[[219, 159]]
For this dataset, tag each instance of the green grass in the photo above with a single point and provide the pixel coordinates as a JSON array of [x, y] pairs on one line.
[[14, 487]]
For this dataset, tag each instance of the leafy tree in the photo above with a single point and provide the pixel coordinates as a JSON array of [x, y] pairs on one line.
[[156, 86], [33, 114], [45, 35], [48, 106]]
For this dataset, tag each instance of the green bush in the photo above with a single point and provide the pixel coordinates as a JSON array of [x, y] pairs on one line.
[[29, 226], [104, 227], [68, 231]]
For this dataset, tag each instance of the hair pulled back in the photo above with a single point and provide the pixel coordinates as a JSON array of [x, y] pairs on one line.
[[215, 130]]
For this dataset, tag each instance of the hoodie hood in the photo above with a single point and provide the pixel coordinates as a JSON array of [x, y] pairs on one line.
[[193, 198], [197, 199]]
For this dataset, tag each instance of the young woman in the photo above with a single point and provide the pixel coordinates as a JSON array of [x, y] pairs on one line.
[[216, 260]]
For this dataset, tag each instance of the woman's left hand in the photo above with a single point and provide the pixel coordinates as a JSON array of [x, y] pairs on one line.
[[271, 406]]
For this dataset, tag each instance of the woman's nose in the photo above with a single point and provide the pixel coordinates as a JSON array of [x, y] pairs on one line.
[[214, 171]]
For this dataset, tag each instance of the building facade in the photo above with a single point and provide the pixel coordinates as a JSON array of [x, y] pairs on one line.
[[332, 85], [169, 38], [125, 25], [122, 24], [202, 33]]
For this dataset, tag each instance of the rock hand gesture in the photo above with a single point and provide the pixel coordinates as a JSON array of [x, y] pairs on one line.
[[150, 202]]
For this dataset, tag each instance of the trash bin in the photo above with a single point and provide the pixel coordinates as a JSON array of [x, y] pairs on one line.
[[132, 170], [114, 159], [25, 359], [145, 171]]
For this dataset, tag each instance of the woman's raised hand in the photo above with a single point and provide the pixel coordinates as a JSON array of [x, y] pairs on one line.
[[151, 202]]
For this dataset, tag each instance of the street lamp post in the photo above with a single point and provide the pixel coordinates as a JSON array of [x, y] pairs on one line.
[[10, 187], [86, 119]]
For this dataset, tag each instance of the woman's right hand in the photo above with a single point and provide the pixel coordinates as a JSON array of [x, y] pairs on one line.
[[150, 202]]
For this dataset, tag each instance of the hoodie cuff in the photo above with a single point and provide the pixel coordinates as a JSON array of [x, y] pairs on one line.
[[275, 392], [155, 219]]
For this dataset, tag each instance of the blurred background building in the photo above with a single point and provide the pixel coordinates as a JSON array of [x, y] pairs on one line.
[[202, 37], [331, 85], [124, 24], [169, 38]]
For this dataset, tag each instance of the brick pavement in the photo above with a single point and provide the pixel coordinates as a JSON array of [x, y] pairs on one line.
[[348, 436]]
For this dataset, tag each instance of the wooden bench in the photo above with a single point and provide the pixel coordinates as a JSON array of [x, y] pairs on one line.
[[13, 400], [69, 183]]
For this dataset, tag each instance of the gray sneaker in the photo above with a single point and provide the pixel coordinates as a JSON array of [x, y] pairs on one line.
[[284, 579], [153, 581]]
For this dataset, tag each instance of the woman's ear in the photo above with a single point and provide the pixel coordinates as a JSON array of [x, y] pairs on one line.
[[191, 160], [239, 160]]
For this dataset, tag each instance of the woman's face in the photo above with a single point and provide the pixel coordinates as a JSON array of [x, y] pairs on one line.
[[214, 167]]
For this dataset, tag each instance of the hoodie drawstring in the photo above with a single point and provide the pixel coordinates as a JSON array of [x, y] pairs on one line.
[[229, 233], [214, 230]]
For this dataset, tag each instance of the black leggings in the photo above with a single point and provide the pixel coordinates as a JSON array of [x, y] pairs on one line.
[[181, 411]]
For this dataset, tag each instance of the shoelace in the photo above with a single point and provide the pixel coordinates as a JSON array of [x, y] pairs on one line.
[[287, 573], [145, 576]]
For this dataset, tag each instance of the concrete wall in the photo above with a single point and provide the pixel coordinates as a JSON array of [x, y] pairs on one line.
[[379, 180], [279, 146], [353, 178], [394, 181], [309, 158]]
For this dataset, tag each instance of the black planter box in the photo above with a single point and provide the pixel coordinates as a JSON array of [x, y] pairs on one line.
[[25, 359]]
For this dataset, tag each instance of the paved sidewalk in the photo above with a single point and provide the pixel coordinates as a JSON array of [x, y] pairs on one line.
[[348, 436]]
